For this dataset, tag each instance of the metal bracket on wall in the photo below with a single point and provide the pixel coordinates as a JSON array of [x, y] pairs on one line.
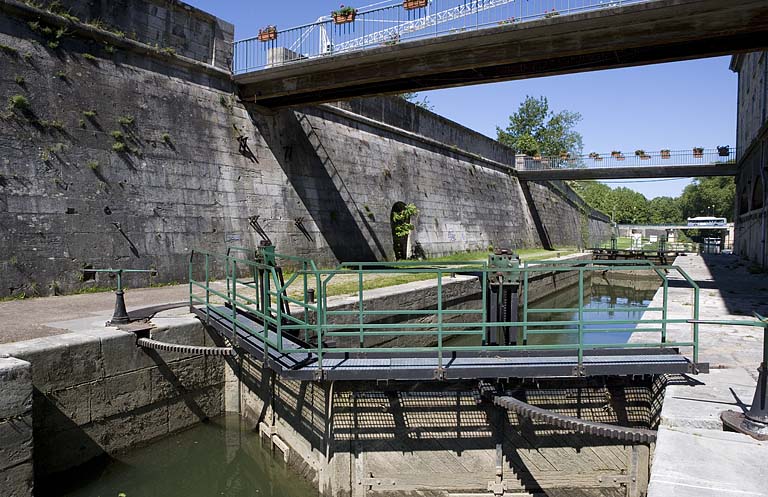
[[370, 483]]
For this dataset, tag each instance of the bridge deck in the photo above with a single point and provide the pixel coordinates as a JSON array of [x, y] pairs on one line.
[[390, 365]]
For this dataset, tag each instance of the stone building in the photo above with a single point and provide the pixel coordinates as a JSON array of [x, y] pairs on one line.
[[752, 141]]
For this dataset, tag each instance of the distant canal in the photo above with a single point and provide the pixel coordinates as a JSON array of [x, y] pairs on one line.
[[216, 459]]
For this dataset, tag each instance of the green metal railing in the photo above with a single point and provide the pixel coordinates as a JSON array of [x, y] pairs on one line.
[[226, 284]]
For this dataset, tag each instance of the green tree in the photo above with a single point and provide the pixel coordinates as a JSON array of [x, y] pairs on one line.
[[535, 129], [709, 196], [413, 97], [625, 206], [665, 210]]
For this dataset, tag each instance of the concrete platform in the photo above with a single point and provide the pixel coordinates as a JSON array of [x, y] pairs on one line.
[[694, 457]]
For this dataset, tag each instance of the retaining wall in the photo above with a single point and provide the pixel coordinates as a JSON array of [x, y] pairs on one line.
[[93, 393], [129, 156]]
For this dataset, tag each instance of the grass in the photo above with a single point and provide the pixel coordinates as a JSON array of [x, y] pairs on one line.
[[528, 254], [9, 50], [94, 289], [117, 135], [126, 120], [90, 57], [18, 102], [119, 147]]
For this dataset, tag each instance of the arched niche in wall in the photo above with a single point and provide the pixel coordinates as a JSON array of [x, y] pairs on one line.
[[400, 243]]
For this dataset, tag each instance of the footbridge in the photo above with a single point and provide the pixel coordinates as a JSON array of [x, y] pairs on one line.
[[638, 164], [491, 329], [416, 45]]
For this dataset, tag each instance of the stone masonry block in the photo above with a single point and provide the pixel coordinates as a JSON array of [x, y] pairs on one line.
[[17, 481], [60, 361], [15, 441], [177, 378], [121, 394], [121, 354], [15, 387]]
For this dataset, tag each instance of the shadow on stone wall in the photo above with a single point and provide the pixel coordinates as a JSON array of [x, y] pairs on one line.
[[305, 162], [541, 230]]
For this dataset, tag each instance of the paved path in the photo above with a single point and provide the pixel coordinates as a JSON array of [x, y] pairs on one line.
[[694, 457]]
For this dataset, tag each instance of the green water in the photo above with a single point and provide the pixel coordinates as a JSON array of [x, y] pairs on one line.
[[220, 458], [601, 299]]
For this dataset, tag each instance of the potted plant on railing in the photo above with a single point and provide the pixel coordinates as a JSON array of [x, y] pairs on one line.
[[344, 14], [619, 157], [595, 156], [414, 4], [666, 153], [268, 33], [724, 151], [641, 153], [565, 155], [548, 14], [616, 154], [698, 152]]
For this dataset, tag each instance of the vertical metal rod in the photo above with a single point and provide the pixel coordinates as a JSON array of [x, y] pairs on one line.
[[665, 304], [233, 297], [360, 303], [440, 319], [525, 304], [306, 297], [190, 279], [279, 302], [484, 285], [207, 290], [581, 319], [695, 325]]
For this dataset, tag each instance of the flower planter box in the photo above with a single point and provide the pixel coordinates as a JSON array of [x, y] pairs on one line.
[[267, 35], [645, 157], [414, 4], [698, 153], [344, 18], [615, 155], [666, 154], [619, 157], [723, 151]]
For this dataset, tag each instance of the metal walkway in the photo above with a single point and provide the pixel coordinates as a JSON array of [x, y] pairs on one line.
[[307, 340], [424, 366]]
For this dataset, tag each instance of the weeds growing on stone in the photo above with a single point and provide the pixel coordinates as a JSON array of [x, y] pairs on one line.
[[20, 80], [119, 147], [166, 138], [81, 123], [93, 165], [61, 75], [9, 50], [89, 113], [89, 57], [109, 48], [117, 135], [126, 120], [28, 57], [18, 102]]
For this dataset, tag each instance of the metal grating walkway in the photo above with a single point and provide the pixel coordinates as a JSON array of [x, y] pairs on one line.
[[392, 365]]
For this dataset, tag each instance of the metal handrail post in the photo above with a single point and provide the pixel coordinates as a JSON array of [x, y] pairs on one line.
[[581, 319], [525, 305], [207, 289], [360, 303], [440, 320]]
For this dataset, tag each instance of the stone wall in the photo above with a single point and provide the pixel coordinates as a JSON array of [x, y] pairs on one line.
[[752, 177], [16, 437], [97, 393], [129, 157]]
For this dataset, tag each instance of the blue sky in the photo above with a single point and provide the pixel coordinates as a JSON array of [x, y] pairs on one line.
[[677, 105]]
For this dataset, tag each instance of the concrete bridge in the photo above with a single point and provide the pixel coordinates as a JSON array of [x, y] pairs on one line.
[[543, 44]]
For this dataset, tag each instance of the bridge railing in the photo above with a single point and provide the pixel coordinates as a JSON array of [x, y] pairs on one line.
[[255, 296], [666, 158], [394, 24]]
